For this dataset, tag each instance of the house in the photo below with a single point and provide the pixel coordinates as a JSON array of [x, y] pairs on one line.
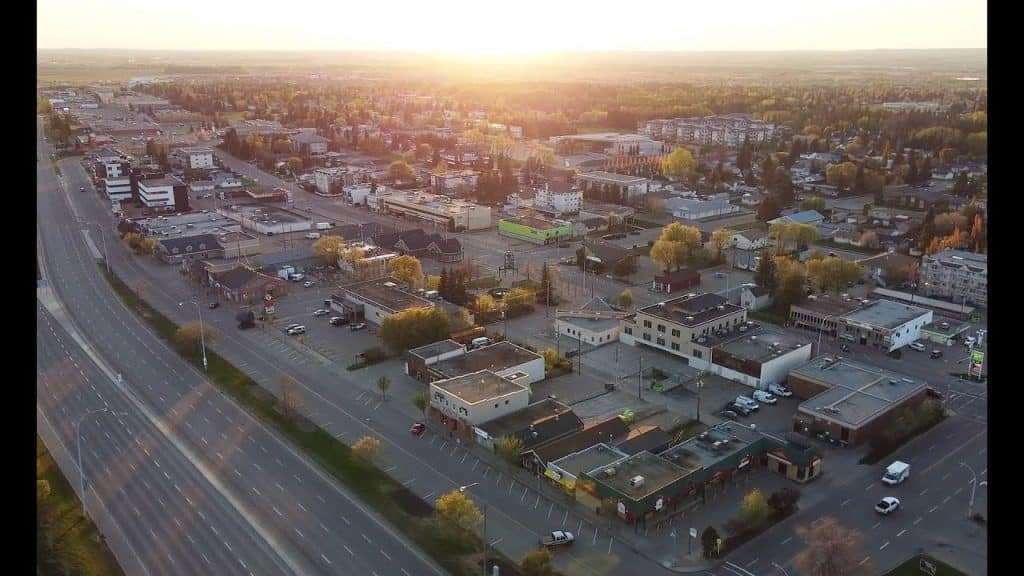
[[755, 298], [462, 403], [595, 323], [416, 242], [244, 284], [198, 247], [812, 217], [750, 239], [603, 257], [310, 144], [503, 358], [676, 280]]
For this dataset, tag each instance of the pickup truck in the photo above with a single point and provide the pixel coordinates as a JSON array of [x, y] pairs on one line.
[[557, 538]]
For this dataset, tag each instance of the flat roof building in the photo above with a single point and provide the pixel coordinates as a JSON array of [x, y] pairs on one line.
[[535, 230], [449, 214], [957, 275], [851, 401], [503, 358], [473, 399], [883, 324], [757, 357], [375, 300], [676, 325], [537, 424]]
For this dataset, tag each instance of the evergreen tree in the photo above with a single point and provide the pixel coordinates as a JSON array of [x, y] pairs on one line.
[[744, 156], [926, 169], [961, 186], [765, 275], [912, 176]]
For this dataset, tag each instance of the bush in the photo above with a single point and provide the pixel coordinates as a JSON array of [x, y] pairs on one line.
[[783, 503], [374, 355]]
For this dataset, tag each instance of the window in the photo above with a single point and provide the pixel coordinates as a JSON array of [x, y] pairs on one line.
[[495, 405], [629, 330], [661, 341], [506, 401], [647, 323], [647, 336], [697, 353], [661, 328], [675, 333], [675, 346]]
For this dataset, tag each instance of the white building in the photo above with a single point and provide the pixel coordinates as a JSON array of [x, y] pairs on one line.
[[325, 178], [452, 179], [957, 275], [197, 158], [750, 239], [595, 323], [758, 358], [884, 324], [502, 358], [356, 195], [696, 209], [558, 202], [158, 192], [478, 397], [375, 300]]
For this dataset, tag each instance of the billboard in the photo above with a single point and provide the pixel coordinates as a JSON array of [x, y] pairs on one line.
[[977, 361]]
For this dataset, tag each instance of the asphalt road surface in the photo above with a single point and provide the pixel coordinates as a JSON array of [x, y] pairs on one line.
[[307, 519]]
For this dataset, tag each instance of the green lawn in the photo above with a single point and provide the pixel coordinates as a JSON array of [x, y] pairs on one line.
[[749, 226], [387, 496], [912, 567], [66, 541]]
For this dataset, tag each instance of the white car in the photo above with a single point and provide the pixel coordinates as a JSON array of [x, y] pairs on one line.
[[321, 312], [887, 506], [308, 284], [780, 390], [969, 341], [746, 402], [299, 329], [764, 397], [917, 346]]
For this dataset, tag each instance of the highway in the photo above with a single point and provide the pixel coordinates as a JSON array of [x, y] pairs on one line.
[[302, 516]]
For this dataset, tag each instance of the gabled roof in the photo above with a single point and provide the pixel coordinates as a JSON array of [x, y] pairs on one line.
[[607, 252], [417, 240], [236, 277], [805, 217], [597, 304], [604, 431], [309, 138], [188, 244]]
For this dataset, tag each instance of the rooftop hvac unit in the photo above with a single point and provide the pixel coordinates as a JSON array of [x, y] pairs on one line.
[[689, 318], [609, 472], [636, 481], [390, 284], [718, 445]]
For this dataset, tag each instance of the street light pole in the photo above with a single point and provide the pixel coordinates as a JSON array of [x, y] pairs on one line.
[[974, 487], [78, 442], [780, 569], [462, 489], [202, 330]]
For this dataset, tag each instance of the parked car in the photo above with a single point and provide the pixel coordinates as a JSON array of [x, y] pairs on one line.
[[970, 341], [557, 538], [936, 354], [729, 415], [572, 353], [917, 346], [321, 312], [848, 337], [764, 397], [294, 330], [746, 401], [213, 305], [359, 326], [338, 321], [308, 284], [740, 409], [887, 506], [780, 390], [418, 429]]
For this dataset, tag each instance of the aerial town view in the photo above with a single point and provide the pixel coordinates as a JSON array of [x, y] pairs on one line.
[[533, 290]]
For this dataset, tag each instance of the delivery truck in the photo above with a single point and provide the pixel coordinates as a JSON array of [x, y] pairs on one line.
[[896, 473]]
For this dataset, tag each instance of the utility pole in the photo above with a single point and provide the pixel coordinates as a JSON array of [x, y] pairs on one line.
[[640, 376]]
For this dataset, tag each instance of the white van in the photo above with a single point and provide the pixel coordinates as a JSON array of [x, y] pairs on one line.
[[896, 473], [478, 342], [313, 236]]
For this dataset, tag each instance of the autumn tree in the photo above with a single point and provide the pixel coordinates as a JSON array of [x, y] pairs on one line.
[[485, 303], [295, 163], [754, 509], [869, 239], [509, 448], [366, 448], [330, 250], [679, 164], [830, 549], [457, 516], [399, 171], [190, 337], [832, 274], [626, 298], [537, 563], [408, 269], [841, 175], [720, 240], [413, 328], [769, 209], [675, 245], [792, 278], [289, 395], [813, 203], [421, 401]]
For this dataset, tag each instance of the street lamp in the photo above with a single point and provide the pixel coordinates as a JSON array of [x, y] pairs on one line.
[[78, 442], [106, 253], [780, 569], [974, 487], [462, 490], [202, 330]]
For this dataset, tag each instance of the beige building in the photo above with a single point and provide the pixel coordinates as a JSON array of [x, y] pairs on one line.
[[476, 398], [676, 325], [442, 211]]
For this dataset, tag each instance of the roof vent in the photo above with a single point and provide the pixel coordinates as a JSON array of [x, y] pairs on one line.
[[689, 318], [609, 472], [636, 481]]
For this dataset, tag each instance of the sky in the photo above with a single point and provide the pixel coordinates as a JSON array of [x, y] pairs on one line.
[[489, 28]]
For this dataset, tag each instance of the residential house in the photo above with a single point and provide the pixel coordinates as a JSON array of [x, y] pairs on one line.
[[416, 242], [245, 285], [603, 257], [676, 280], [755, 298], [750, 239]]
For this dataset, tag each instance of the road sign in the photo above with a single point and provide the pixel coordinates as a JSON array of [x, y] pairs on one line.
[[693, 532], [927, 567], [977, 361]]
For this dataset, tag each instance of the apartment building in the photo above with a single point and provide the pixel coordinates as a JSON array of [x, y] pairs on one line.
[[675, 325], [956, 275], [196, 158], [729, 130], [558, 202]]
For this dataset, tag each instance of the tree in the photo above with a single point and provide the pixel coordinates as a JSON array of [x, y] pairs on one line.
[[675, 245], [709, 542], [720, 240], [485, 303], [765, 276], [832, 274], [413, 328], [783, 502], [792, 278], [813, 203], [869, 239], [841, 175], [366, 448], [147, 245], [679, 164], [769, 209], [509, 448], [457, 515], [190, 337], [290, 395], [295, 163], [537, 563], [528, 270], [408, 269], [548, 293], [422, 401], [383, 383], [42, 490], [754, 509], [400, 171], [830, 549], [768, 172], [330, 250], [783, 185], [626, 298]]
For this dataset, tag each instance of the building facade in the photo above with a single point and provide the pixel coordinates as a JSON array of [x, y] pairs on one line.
[[675, 325], [535, 230], [466, 401], [568, 201], [957, 275]]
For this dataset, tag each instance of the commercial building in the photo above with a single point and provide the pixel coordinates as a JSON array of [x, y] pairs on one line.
[[755, 357], [453, 179], [699, 209], [199, 247], [566, 469], [441, 211], [503, 358], [329, 181], [957, 275], [611, 187], [538, 424], [418, 359], [812, 217], [416, 242], [676, 280], [245, 285], [558, 202], [163, 193], [535, 230], [595, 323], [675, 325], [310, 143], [375, 300], [881, 323], [466, 401], [850, 401], [611, 143], [196, 157], [607, 431], [943, 332]]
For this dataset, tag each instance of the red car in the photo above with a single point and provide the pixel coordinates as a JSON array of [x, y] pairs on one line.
[[418, 429]]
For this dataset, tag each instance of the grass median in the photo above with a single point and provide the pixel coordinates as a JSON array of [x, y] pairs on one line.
[[405, 511], [66, 541]]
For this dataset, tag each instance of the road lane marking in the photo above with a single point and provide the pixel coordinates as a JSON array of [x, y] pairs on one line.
[[475, 465], [918, 520], [537, 503], [901, 532], [256, 490], [752, 562], [610, 540], [876, 524], [933, 509], [347, 523], [866, 558], [349, 550], [367, 538], [958, 491], [297, 531], [923, 492], [385, 554], [946, 475], [303, 507], [787, 541], [207, 560], [882, 547], [845, 502], [869, 486], [324, 528], [277, 511], [946, 499]]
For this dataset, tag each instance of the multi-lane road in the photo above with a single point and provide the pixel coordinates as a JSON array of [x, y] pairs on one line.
[[265, 508]]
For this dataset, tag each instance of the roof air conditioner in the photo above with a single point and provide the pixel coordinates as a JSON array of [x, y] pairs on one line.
[[636, 481]]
